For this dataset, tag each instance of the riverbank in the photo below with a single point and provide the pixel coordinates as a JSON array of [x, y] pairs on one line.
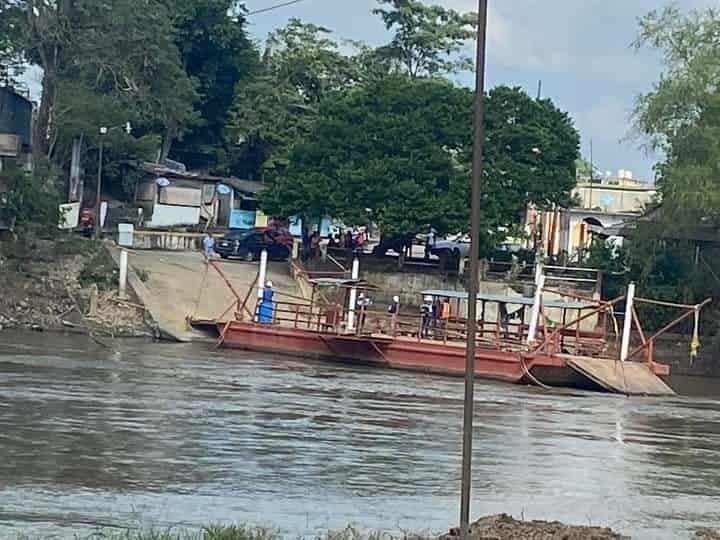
[[497, 527], [67, 284]]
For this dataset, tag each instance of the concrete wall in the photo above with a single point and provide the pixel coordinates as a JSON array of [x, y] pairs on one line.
[[182, 196], [167, 216], [167, 241]]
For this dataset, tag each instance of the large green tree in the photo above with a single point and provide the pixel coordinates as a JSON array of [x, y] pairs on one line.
[[392, 147], [681, 114], [113, 50], [427, 39], [218, 54], [273, 111], [680, 117], [531, 148], [397, 151]]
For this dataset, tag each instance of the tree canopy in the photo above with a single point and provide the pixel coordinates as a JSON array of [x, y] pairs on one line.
[[217, 53], [680, 118], [301, 64], [398, 151], [427, 39], [681, 114]]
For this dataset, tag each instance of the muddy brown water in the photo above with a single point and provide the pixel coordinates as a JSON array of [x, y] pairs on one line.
[[161, 435]]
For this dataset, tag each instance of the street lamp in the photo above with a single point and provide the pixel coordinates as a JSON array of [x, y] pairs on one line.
[[127, 127], [473, 285]]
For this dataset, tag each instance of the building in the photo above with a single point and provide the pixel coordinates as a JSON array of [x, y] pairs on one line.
[[601, 205], [15, 141], [171, 197]]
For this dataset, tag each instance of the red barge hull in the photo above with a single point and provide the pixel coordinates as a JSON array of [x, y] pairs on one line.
[[411, 354]]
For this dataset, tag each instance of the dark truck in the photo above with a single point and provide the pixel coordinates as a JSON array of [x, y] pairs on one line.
[[248, 244]]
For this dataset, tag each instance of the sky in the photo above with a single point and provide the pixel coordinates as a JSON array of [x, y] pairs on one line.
[[580, 49]]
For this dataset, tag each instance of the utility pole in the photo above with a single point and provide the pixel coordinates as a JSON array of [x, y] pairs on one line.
[[539, 94], [592, 174], [98, 225], [127, 127], [473, 285]]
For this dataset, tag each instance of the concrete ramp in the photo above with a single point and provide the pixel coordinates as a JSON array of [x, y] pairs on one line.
[[630, 378]]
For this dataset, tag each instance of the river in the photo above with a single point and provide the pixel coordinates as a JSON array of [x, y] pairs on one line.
[[164, 435]]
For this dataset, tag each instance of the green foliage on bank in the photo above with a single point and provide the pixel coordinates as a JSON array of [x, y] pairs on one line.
[[674, 253], [380, 128], [236, 532]]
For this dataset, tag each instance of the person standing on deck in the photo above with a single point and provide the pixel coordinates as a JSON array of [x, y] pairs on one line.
[[444, 314], [208, 246], [429, 242], [266, 308], [363, 302], [394, 310], [426, 313], [315, 245]]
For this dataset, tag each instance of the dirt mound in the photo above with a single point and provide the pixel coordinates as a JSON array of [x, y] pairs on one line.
[[504, 527], [707, 534]]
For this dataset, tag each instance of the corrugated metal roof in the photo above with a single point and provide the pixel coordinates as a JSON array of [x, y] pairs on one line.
[[250, 187]]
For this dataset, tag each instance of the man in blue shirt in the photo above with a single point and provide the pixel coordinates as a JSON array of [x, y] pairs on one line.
[[208, 245]]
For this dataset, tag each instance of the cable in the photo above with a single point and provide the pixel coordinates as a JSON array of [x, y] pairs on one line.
[[263, 10]]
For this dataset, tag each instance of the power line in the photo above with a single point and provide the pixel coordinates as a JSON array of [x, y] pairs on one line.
[[263, 10]]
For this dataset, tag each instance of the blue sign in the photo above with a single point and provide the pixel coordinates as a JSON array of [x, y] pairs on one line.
[[295, 226], [242, 219], [607, 200], [222, 189]]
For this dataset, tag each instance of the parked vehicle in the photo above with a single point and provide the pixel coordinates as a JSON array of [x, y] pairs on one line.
[[248, 244], [395, 242], [452, 247]]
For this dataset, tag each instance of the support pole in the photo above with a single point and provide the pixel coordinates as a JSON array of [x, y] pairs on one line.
[[98, 192], [353, 295], [123, 274], [627, 322], [535, 313], [473, 285], [262, 275]]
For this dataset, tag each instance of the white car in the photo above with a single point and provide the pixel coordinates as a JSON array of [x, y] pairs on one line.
[[456, 247]]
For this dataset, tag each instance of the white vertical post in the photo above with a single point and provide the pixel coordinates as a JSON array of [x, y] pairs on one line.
[[627, 323], [353, 295], [538, 272], [296, 249], [263, 273], [461, 266], [535, 314], [123, 273]]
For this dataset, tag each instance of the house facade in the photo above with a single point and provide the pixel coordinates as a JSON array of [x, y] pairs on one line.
[[601, 205], [171, 198], [15, 141]]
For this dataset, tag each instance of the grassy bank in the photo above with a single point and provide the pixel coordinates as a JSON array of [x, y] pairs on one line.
[[498, 527]]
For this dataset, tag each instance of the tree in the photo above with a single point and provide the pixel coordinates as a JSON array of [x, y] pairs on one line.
[[681, 114], [113, 49], [9, 58], [392, 147], [680, 117], [530, 152], [301, 64], [217, 53], [401, 148], [426, 39]]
